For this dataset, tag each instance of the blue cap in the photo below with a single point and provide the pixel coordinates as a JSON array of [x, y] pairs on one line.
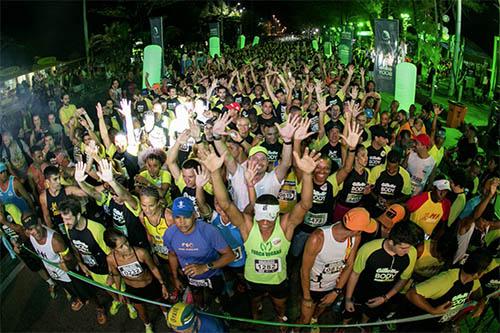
[[182, 206], [3, 167]]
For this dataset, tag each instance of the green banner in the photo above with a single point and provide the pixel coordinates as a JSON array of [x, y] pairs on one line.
[[152, 65], [345, 47], [241, 42], [406, 82], [327, 48], [214, 46], [315, 45], [256, 40]]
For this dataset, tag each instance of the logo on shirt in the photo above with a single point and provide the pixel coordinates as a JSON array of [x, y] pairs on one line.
[[385, 274]]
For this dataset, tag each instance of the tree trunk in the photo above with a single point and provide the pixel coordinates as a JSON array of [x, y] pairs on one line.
[[454, 72]]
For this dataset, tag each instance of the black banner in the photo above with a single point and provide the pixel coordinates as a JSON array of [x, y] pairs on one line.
[[156, 30], [345, 47], [386, 54], [214, 29]]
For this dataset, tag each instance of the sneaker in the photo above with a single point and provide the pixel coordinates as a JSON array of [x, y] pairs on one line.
[[132, 313], [101, 316], [148, 328], [115, 306], [314, 329], [52, 291]]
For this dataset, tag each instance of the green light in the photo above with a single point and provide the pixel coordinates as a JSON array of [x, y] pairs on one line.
[[315, 45], [256, 40], [406, 82], [405, 16], [214, 46], [360, 24], [241, 42], [152, 65], [364, 33], [327, 48]]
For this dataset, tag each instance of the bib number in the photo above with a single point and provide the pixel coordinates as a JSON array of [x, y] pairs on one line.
[[238, 252], [267, 266], [315, 219], [200, 283]]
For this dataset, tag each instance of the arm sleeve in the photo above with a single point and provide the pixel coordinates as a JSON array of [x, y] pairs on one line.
[[416, 202], [436, 286], [409, 270], [373, 176]]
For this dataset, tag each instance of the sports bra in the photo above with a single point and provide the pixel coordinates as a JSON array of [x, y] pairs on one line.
[[131, 270]]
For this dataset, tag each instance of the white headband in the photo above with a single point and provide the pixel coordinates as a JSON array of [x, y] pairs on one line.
[[266, 212]]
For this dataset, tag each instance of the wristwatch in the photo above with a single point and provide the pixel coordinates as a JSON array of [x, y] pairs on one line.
[[338, 291], [210, 265]]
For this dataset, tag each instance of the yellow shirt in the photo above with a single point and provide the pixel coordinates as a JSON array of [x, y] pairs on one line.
[[156, 235], [66, 113], [426, 264], [437, 154]]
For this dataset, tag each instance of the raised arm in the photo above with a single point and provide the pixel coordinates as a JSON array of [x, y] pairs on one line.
[[202, 178], [437, 112], [106, 174], [286, 133], [351, 141], [102, 127], [126, 111], [213, 164], [173, 154], [350, 72], [219, 131], [298, 137], [80, 178], [269, 89]]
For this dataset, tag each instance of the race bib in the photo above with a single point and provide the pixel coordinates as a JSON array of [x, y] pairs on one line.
[[353, 198], [287, 195], [130, 270], [200, 282], [267, 266], [315, 219], [238, 252], [89, 260], [161, 249]]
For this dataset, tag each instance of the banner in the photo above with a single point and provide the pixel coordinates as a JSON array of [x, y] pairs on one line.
[[214, 46], [256, 40], [386, 53], [214, 30], [406, 83], [241, 42], [315, 45], [327, 48], [345, 47], [152, 65], [156, 24]]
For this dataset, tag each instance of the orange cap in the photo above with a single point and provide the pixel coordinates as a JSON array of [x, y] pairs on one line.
[[392, 215], [358, 219]]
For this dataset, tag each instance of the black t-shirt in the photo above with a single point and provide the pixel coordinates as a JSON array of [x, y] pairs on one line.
[[268, 122], [247, 113], [172, 103], [125, 221], [353, 188], [335, 100], [314, 127], [334, 153], [375, 157], [466, 150], [141, 107], [258, 101], [238, 98], [321, 212], [274, 151]]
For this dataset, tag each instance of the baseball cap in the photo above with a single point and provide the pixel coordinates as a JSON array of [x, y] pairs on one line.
[[358, 219], [423, 139], [156, 86], [258, 149], [380, 131], [181, 316], [392, 215], [234, 106], [3, 167], [29, 221], [442, 184], [182, 206]]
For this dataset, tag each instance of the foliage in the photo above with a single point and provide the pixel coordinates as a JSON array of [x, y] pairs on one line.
[[115, 43], [219, 10]]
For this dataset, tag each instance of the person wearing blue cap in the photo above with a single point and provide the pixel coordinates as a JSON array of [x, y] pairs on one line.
[[198, 249], [183, 318]]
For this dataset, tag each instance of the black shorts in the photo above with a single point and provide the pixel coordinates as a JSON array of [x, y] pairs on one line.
[[317, 296], [150, 292], [214, 284], [77, 289], [281, 290]]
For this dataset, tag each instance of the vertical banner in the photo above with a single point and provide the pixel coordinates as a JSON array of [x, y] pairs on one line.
[[214, 39], [241, 42], [152, 65], [327, 48], [406, 83], [214, 30], [156, 24], [386, 49], [345, 47], [256, 40]]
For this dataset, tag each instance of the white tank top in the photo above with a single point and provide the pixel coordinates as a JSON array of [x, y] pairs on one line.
[[463, 243], [46, 251], [329, 262]]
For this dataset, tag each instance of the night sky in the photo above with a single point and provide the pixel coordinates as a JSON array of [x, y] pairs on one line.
[[50, 28]]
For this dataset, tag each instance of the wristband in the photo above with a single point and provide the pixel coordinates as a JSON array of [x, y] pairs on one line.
[[352, 150], [198, 141], [287, 143], [240, 142], [338, 291], [217, 137], [385, 298]]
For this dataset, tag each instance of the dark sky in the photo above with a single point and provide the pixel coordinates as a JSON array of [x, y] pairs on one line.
[[55, 28]]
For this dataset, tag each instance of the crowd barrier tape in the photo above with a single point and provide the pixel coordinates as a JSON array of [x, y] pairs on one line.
[[247, 320]]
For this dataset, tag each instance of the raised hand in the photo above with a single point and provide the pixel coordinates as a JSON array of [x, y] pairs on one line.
[[194, 128], [202, 176], [183, 137], [307, 163], [350, 70], [98, 108], [354, 132], [251, 172], [301, 133], [287, 131], [235, 136], [310, 88], [220, 124], [125, 108], [211, 161], [362, 71], [437, 110], [80, 175], [354, 92], [105, 171]]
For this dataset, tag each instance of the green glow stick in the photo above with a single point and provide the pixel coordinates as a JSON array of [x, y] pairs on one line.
[[152, 65], [406, 82]]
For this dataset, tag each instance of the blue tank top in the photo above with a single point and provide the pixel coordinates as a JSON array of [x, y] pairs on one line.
[[233, 238], [10, 197]]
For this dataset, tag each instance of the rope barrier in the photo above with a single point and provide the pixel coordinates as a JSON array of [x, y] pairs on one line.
[[246, 320]]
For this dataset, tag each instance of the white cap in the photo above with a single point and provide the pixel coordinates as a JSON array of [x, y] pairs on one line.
[[442, 184], [266, 212]]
